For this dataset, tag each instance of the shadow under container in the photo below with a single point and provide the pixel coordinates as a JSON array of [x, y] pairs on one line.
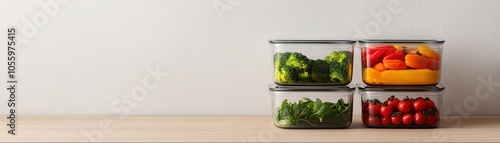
[[401, 106], [401, 62], [312, 106], [312, 62]]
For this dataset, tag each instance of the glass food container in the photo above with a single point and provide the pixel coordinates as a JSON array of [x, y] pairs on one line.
[[401, 62], [312, 62], [312, 106], [401, 106]]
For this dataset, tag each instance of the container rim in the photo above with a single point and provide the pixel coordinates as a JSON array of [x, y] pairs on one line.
[[364, 87], [275, 87], [426, 41], [289, 41]]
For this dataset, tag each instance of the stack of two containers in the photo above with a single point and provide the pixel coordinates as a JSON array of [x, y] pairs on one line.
[[312, 79]]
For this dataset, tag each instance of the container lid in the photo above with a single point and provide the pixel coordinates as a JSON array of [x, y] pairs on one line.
[[282, 41], [274, 87], [426, 41], [364, 87]]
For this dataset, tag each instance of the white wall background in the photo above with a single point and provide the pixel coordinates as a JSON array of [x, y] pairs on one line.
[[91, 52]]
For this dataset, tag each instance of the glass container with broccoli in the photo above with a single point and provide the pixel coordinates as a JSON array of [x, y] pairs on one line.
[[330, 62]]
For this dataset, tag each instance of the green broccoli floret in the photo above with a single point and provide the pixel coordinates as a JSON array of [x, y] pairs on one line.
[[339, 66], [280, 74], [291, 67], [287, 75], [320, 71]]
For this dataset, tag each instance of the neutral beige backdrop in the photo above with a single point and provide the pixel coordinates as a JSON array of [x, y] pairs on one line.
[[85, 55]]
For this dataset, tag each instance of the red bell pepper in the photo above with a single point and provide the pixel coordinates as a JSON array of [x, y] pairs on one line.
[[376, 54], [399, 55], [375, 58], [373, 49]]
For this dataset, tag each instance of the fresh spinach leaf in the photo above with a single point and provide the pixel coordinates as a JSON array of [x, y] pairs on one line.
[[307, 112]]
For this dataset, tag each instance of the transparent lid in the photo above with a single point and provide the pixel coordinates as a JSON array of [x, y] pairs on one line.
[[274, 87], [364, 87], [423, 41], [282, 41]]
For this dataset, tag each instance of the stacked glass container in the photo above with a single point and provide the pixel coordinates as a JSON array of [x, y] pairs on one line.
[[311, 80], [401, 83]]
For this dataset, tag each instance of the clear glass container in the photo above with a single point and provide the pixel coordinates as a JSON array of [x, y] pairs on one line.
[[401, 62], [401, 106], [312, 62], [312, 106]]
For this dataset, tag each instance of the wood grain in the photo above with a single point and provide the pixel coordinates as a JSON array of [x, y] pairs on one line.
[[237, 129]]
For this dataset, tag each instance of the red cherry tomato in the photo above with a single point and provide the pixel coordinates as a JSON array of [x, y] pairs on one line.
[[404, 106], [431, 120], [419, 118], [418, 98], [365, 107], [407, 119], [393, 102], [411, 100], [419, 105], [429, 104], [373, 121], [385, 121], [374, 107], [396, 119], [386, 110]]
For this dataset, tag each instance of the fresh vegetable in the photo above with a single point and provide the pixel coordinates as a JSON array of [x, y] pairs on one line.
[[395, 61], [431, 120], [405, 106], [288, 66], [400, 77], [400, 65], [419, 118], [419, 105], [308, 113], [395, 64], [420, 62], [375, 57], [431, 116], [380, 67], [398, 55], [294, 67], [365, 106], [320, 71], [393, 101], [396, 118], [428, 53], [413, 112], [429, 104], [373, 121], [377, 53], [340, 66], [401, 49], [407, 119], [385, 121], [374, 107], [412, 100], [386, 110]]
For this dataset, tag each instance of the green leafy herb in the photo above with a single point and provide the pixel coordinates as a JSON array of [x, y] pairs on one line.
[[307, 112]]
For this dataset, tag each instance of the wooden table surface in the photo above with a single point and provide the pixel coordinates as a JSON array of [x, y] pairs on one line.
[[235, 129]]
